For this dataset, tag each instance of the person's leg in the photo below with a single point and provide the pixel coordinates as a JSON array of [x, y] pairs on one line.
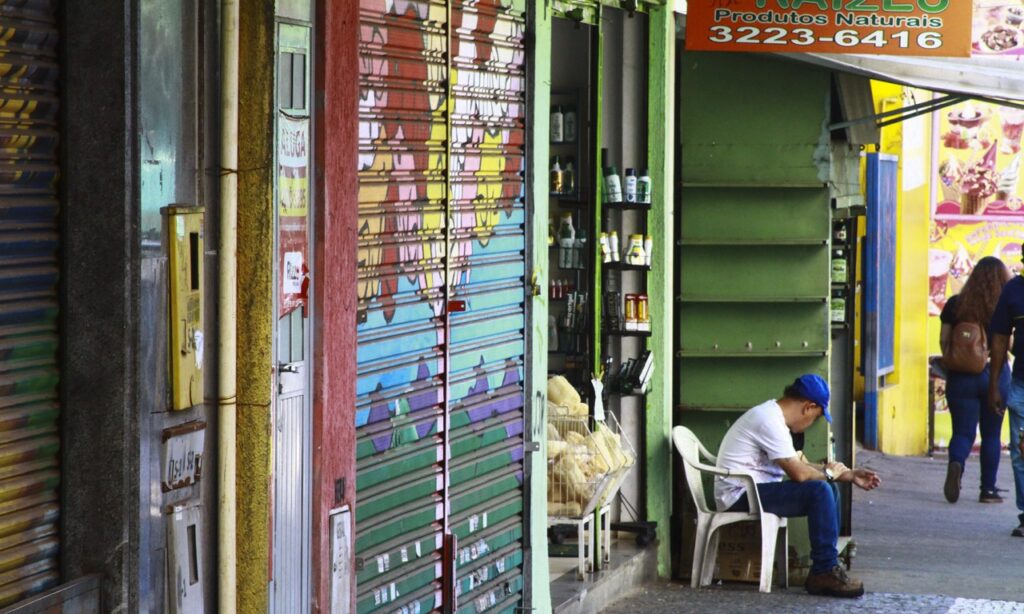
[[1015, 407], [991, 448], [962, 395], [816, 500]]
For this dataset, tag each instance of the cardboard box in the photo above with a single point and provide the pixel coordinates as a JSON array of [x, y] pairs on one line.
[[739, 552]]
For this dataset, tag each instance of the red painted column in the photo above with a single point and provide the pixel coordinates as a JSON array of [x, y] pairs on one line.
[[337, 185]]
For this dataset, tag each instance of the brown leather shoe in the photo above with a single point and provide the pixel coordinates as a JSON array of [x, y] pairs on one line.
[[834, 583]]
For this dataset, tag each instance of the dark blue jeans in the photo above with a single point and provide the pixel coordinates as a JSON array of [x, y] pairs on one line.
[[967, 395], [815, 499]]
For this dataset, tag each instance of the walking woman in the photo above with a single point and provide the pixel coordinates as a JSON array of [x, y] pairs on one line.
[[967, 392]]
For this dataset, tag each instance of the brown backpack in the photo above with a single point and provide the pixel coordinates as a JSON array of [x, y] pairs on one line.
[[968, 349]]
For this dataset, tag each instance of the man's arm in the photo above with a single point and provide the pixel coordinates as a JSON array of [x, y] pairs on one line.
[[1000, 343], [798, 470]]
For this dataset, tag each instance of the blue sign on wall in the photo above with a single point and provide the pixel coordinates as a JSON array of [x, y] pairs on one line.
[[879, 284]]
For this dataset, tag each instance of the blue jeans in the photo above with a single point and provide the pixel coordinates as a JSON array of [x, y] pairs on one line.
[[815, 499], [1015, 407], [968, 406]]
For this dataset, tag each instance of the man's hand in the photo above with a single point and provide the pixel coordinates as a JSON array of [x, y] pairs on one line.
[[863, 478], [995, 401]]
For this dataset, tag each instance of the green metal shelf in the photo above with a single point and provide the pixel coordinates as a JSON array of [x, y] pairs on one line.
[[752, 299], [750, 354], [706, 409], [627, 333], [755, 242], [622, 266], [624, 206]]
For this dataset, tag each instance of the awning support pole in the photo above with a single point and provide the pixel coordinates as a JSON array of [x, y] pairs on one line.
[[904, 113]]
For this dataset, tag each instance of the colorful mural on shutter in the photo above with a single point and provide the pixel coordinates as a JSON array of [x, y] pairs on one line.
[[420, 195], [29, 410], [488, 272]]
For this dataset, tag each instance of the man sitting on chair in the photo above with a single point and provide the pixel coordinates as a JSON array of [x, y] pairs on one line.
[[761, 443]]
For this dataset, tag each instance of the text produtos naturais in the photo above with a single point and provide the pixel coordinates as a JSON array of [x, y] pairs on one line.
[[840, 19]]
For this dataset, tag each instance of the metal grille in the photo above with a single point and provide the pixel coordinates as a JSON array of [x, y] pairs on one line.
[[29, 437], [421, 195]]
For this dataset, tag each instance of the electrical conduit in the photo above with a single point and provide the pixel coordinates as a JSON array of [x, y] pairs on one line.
[[227, 254]]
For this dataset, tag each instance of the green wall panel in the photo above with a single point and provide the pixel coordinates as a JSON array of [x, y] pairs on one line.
[[738, 383], [752, 214], [754, 273], [754, 120], [751, 328]]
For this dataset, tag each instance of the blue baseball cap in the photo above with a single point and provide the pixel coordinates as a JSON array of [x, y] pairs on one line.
[[815, 389]]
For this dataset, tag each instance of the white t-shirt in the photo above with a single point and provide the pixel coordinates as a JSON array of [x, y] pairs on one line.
[[752, 444]]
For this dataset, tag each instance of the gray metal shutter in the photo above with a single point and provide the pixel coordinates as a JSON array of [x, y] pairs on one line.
[[29, 437], [430, 183]]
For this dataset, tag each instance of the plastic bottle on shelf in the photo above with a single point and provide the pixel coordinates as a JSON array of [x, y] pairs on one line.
[[630, 187], [612, 185], [569, 176], [613, 245], [636, 255], [557, 177], [569, 124], [648, 249], [606, 250], [643, 188], [557, 124], [566, 241], [577, 250], [839, 267]]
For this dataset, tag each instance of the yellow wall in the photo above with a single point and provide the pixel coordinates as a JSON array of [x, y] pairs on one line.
[[255, 295], [903, 402]]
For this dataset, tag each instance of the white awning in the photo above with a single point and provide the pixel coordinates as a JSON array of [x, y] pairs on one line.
[[974, 77]]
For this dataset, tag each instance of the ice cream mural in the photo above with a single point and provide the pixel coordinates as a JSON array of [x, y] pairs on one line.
[[978, 170], [997, 29]]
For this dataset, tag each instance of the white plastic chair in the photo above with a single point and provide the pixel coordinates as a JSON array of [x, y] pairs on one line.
[[709, 520]]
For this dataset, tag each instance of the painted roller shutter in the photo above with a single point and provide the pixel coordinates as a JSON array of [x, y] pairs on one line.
[[400, 322], [431, 181], [488, 268], [29, 436]]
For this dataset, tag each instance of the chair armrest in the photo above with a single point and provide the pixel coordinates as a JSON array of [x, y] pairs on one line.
[[753, 497]]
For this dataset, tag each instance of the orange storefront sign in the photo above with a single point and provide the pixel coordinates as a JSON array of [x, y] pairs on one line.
[[873, 27]]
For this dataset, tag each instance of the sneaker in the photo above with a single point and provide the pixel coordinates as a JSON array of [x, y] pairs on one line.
[[990, 496], [834, 583], [952, 487], [1019, 531]]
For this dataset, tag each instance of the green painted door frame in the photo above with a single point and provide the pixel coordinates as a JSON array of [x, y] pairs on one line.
[[660, 118]]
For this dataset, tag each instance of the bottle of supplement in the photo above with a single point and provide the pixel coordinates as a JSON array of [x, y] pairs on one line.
[[643, 188], [613, 245], [557, 125], [612, 185], [557, 177], [630, 186], [569, 176], [636, 255], [566, 241], [838, 267], [569, 124]]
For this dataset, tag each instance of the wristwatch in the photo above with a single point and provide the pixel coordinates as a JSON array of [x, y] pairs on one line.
[[830, 476]]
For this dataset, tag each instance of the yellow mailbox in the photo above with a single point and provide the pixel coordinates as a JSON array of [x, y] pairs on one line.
[[185, 261]]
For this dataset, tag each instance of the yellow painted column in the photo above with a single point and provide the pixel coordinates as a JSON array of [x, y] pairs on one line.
[[255, 301]]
